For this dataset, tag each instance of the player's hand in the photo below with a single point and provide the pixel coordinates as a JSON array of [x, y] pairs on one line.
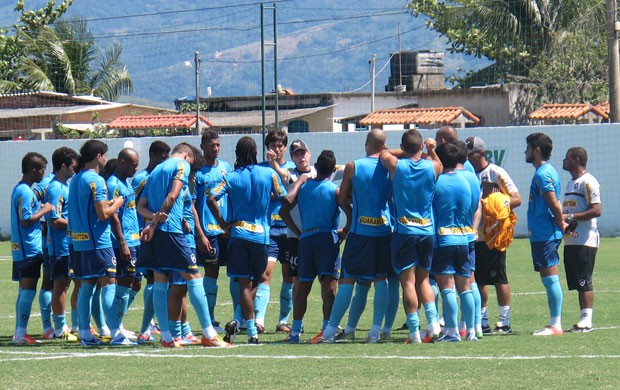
[[272, 158], [147, 233], [186, 227], [125, 253], [160, 217], [342, 234], [47, 207], [430, 144], [118, 201], [204, 245]]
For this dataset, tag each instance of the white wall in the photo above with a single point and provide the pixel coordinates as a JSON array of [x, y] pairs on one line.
[[507, 143]]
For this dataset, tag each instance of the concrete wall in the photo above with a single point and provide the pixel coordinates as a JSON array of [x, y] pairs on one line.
[[506, 146]]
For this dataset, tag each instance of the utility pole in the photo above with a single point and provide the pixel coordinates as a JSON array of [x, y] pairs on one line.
[[197, 66], [373, 62], [613, 62], [273, 43]]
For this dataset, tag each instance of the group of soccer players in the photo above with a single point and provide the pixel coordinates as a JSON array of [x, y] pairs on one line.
[[412, 218]]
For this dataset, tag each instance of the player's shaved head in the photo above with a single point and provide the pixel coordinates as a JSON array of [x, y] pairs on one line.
[[375, 141], [446, 133]]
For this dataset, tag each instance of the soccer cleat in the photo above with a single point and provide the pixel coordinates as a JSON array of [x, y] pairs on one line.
[[504, 329], [428, 338], [170, 344], [154, 329], [129, 334], [48, 334], [146, 338], [319, 339], [449, 339], [26, 340], [215, 342], [253, 340], [290, 339], [472, 337], [218, 328], [403, 327], [549, 331], [385, 336], [283, 327], [122, 341], [181, 341], [462, 332], [344, 336], [373, 339], [260, 328], [231, 329], [105, 338], [68, 336], [580, 328], [191, 339], [92, 342], [486, 329], [415, 340], [93, 331]]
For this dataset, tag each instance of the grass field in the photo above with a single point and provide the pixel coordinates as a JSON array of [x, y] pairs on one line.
[[516, 361]]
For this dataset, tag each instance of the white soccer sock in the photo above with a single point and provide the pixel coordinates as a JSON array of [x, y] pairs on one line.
[[485, 316], [209, 332], [556, 322], [504, 315], [586, 317]]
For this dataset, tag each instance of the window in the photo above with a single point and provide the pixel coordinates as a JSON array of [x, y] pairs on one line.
[[298, 126]]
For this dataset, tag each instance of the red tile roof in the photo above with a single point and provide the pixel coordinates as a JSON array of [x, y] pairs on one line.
[[426, 116], [185, 121], [565, 111], [604, 106]]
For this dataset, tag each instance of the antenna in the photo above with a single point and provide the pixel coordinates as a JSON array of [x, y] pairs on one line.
[[400, 56]]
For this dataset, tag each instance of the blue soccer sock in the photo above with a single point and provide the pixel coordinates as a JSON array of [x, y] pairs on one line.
[[97, 309], [175, 328], [477, 304], [108, 300], [261, 301], [149, 309], [450, 308], [210, 286], [379, 305], [186, 329], [286, 302], [468, 309], [341, 304], [121, 297], [75, 319], [238, 315], [325, 323], [132, 296], [251, 328], [84, 304], [297, 327], [413, 323], [60, 322], [24, 308], [198, 298], [358, 305], [430, 311], [19, 293], [555, 298], [393, 303], [45, 303], [233, 287], [160, 304]]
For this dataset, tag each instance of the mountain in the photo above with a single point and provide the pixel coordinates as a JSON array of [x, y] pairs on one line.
[[322, 45]]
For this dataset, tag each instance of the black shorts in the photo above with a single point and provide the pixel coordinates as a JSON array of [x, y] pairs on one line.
[[59, 267], [579, 265], [29, 268], [490, 265], [292, 257], [278, 245], [218, 257]]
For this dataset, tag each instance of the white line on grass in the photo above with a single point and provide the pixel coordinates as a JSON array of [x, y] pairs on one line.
[[131, 354]]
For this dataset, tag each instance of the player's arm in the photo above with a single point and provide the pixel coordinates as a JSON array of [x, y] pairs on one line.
[[389, 160], [430, 154], [171, 198], [27, 211], [345, 195], [107, 208], [594, 210], [284, 174], [291, 196], [556, 208], [285, 211], [348, 212], [515, 200], [201, 239], [117, 229], [217, 213]]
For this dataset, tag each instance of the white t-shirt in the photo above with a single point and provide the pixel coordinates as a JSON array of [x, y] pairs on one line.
[[294, 175], [494, 178], [579, 194]]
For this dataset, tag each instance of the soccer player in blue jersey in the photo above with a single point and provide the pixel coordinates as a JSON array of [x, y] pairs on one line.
[[452, 265], [89, 214], [214, 256], [249, 188], [546, 225], [125, 231], [276, 141], [163, 193], [319, 238], [64, 161], [413, 181], [158, 152], [27, 242], [365, 187]]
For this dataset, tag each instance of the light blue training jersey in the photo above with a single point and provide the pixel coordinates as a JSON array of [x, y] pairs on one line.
[[414, 189], [188, 216], [128, 213], [274, 208], [57, 194], [159, 184], [87, 231], [452, 206], [540, 219], [206, 179], [372, 188], [249, 190], [40, 187], [26, 242], [474, 185], [318, 207], [137, 183]]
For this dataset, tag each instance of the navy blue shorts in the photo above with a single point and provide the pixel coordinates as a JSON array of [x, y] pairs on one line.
[[319, 256], [59, 267], [472, 254], [146, 257], [545, 254], [175, 278], [217, 257], [72, 256], [173, 253], [292, 257], [450, 260], [47, 259], [29, 268], [278, 242], [410, 250], [126, 268], [94, 264], [246, 259], [366, 257]]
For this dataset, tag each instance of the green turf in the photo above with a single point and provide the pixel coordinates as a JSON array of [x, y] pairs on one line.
[[512, 361]]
